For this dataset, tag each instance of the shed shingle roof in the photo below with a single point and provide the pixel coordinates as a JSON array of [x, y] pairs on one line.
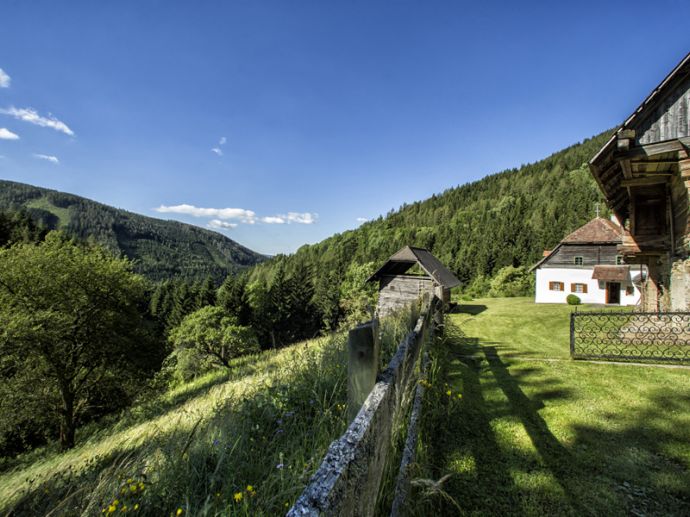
[[407, 257]]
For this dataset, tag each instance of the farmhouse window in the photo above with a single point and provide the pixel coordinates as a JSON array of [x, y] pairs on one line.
[[629, 290], [578, 288], [578, 261], [619, 260], [556, 286]]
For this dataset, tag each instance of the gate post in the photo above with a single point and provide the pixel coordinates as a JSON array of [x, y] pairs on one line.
[[572, 335]]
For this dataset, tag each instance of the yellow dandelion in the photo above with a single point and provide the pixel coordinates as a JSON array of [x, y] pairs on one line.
[[250, 488], [136, 506], [129, 480], [179, 512], [459, 396], [133, 488], [449, 393], [112, 508], [141, 485], [238, 497]]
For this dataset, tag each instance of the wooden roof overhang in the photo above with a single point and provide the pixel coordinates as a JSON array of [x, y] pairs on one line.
[[621, 166], [625, 162], [611, 273]]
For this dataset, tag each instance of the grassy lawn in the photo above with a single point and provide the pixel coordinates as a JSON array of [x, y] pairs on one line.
[[535, 433]]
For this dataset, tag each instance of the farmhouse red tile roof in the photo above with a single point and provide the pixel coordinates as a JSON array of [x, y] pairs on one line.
[[598, 230]]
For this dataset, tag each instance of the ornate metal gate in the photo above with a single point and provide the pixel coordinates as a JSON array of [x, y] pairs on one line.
[[650, 336]]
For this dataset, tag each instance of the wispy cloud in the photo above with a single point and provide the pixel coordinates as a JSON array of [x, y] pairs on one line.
[[6, 134], [217, 224], [31, 116], [362, 219], [218, 149], [5, 79], [241, 215], [302, 218], [47, 157], [273, 220], [219, 213]]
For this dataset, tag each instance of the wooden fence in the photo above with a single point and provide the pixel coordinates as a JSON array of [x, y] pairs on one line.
[[348, 480]]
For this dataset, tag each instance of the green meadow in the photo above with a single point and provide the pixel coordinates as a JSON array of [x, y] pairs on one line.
[[520, 429]]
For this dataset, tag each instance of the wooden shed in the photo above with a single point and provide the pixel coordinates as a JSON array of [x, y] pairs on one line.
[[398, 289]]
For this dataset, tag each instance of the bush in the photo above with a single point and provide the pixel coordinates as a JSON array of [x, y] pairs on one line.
[[573, 299], [512, 281]]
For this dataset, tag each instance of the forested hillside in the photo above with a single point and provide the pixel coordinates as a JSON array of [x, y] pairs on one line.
[[505, 219], [160, 249]]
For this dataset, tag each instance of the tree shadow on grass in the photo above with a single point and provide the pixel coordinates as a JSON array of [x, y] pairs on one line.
[[635, 461]]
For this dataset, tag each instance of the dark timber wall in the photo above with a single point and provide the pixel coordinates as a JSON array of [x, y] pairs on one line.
[[592, 255], [670, 118], [398, 291]]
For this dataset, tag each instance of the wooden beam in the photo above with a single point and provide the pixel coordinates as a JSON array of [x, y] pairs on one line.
[[644, 180], [627, 169], [669, 146]]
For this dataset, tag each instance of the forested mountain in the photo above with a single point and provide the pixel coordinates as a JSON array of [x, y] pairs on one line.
[[505, 219], [160, 249]]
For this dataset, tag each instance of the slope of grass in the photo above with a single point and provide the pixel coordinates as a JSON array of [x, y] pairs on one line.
[[243, 442], [526, 431], [43, 203]]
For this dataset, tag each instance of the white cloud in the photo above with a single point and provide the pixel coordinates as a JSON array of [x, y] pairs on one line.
[[362, 219], [219, 213], [239, 214], [274, 219], [5, 79], [217, 224], [6, 134], [302, 218], [222, 140], [31, 116], [217, 150], [47, 157]]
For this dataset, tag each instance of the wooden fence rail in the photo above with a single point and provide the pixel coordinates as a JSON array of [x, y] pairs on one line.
[[347, 482]]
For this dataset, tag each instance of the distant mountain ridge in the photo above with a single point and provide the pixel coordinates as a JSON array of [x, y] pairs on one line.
[[160, 249]]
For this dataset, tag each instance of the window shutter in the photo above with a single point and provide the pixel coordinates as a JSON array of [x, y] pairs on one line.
[[572, 288], [584, 288]]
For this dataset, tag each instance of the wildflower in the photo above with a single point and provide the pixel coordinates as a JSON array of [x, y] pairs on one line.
[[459, 395], [238, 497], [216, 442], [449, 393], [250, 488], [136, 506], [179, 512], [141, 486], [133, 487], [112, 508], [280, 466]]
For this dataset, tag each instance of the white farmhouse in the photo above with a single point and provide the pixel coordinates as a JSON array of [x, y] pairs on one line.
[[586, 263]]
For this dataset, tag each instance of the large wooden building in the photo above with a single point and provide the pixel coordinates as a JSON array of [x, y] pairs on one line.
[[644, 173], [398, 289]]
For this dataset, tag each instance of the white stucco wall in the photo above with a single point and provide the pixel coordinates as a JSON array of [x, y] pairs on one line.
[[596, 290]]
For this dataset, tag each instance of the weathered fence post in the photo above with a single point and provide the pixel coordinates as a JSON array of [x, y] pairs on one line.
[[572, 335], [363, 364]]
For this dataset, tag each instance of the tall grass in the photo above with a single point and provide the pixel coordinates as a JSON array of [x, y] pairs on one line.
[[243, 442]]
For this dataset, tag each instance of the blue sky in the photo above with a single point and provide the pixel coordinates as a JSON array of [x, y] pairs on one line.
[[321, 113]]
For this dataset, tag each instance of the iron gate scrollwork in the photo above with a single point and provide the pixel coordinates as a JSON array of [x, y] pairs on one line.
[[651, 336]]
